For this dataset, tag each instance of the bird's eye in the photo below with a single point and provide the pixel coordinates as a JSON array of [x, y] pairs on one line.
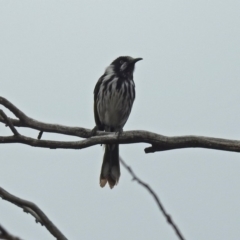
[[123, 65]]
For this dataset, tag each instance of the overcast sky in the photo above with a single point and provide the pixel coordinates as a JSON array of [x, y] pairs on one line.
[[51, 55]]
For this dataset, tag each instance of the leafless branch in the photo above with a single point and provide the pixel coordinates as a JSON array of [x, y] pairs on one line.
[[5, 235], [25, 121], [156, 198], [158, 142], [35, 211]]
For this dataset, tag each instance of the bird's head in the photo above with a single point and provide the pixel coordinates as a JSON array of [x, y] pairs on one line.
[[124, 66]]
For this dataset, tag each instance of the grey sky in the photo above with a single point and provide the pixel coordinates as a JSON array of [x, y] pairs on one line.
[[51, 55]]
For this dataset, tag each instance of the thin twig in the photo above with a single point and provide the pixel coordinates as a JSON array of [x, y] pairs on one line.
[[8, 122], [156, 198], [35, 211], [40, 135]]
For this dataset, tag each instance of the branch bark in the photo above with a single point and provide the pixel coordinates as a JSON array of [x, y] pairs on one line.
[[158, 142]]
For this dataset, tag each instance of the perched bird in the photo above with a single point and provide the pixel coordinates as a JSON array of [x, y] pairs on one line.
[[114, 95]]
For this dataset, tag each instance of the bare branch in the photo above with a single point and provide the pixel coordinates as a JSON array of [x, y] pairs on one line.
[[158, 142], [4, 234], [35, 211], [156, 198]]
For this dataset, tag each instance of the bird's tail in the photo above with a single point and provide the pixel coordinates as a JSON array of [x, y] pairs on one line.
[[110, 171]]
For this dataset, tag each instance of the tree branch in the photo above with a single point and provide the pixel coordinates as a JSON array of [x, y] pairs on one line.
[[35, 211], [4, 234], [157, 200], [158, 142], [25, 121]]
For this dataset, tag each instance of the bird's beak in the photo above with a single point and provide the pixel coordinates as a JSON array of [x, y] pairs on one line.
[[136, 60]]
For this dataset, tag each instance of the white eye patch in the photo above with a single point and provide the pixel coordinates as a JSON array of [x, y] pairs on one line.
[[124, 66]]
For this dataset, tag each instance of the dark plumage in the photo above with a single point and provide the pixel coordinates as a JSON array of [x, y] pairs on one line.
[[114, 95]]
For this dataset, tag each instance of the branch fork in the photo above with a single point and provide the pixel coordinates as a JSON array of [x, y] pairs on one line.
[[158, 142]]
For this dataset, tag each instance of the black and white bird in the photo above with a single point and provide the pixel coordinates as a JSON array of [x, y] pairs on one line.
[[114, 95]]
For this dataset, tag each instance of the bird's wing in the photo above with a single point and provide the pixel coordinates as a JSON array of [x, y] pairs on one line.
[[96, 90]]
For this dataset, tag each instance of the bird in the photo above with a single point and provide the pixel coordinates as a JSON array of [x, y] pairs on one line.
[[114, 95]]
